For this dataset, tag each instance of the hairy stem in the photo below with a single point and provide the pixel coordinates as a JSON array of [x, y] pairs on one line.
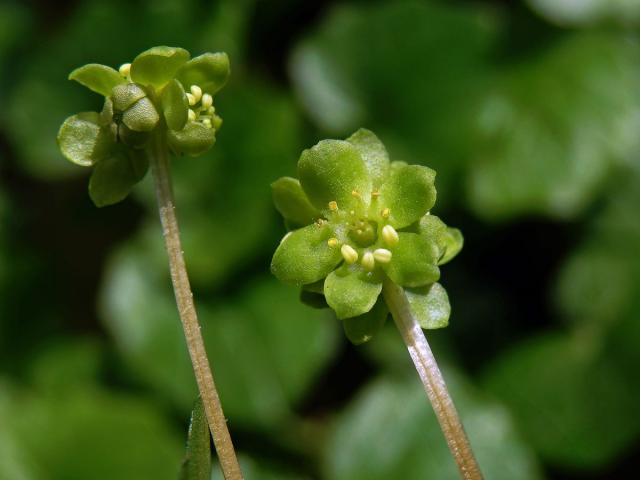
[[432, 380], [184, 298]]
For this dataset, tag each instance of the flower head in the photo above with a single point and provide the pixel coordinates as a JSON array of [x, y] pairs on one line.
[[164, 91], [355, 218]]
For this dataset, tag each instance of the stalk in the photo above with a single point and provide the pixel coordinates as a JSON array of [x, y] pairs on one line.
[[184, 299], [432, 380]]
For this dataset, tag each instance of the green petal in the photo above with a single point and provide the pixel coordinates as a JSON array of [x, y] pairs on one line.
[[193, 140], [98, 78], [209, 71], [292, 203], [125, 95], [141, 116], [414, 261], [158, 65], [363, 328], [449, 240], [304, 257], [429, 305], [113, 177], [374, 154], [175, 105], [351, 292], [409, 193], [82, 140], [331, 171], [453, 242]]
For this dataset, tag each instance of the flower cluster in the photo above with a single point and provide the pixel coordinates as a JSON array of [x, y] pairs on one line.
[[355, 219], [163, 93]]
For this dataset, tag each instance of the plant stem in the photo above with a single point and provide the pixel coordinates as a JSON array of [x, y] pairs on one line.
[[159, 160], [432, 380]]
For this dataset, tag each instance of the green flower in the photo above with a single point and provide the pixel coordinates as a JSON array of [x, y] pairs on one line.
[[357, 218], [162, 92]]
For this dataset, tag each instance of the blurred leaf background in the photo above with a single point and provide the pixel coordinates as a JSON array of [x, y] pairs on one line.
[[528, 110]]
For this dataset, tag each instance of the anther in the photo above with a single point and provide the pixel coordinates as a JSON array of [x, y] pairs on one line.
[[191, 99], [125, 69], [352, 212], [333, 205], [390, 236], [368, 261], [355, 193], [196, 91], [382, 255], [375, 194], [332, 242], [385, 213], [349, 254], [192, 115], [207, 101], [207, 122]]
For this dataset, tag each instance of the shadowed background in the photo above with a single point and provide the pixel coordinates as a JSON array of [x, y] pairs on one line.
[[530, 113]]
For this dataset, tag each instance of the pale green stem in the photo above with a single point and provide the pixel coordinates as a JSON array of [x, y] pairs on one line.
[[159, 160], [432, 380]]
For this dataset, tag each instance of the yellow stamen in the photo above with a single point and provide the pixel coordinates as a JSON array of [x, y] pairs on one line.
[[333, 205], [385, 213], [368, 261], [332, 242], [382, 255], [349, 254], [390, 236]]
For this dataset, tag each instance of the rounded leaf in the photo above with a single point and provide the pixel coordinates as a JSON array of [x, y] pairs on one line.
[[363, 328], [125, 95], [414, 262], [409, 193], [193, 140], [158, 65], [113, 177], [331, 171], [449, 240], [350, 291], [141, 116], [175, 105], [98, 78], [304, 256], [209, 71], [82, 140], [374, 154], [429, 305], [292, 203]]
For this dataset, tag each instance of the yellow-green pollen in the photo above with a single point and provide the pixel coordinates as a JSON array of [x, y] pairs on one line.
[[201, 108]]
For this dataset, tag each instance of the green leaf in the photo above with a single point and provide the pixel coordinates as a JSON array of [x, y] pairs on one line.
[[429, 305], [292, 203], [585, 413], [623, 12], [389, 431], [124, 96], [331, 171], [364, 327], [209, 71], [360, 67], [265, 321], [114, 177], [197, 462], [87, 432], [546, 143], [82, 140], [141, 116], [98, 78], [374, 154], [304, 256], [350, 291], [414, 261], [158, 65], [193, 140], [408, 193], [174, 105]]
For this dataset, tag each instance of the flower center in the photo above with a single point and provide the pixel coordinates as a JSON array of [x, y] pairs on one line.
[[363, 232], [201, 108]]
